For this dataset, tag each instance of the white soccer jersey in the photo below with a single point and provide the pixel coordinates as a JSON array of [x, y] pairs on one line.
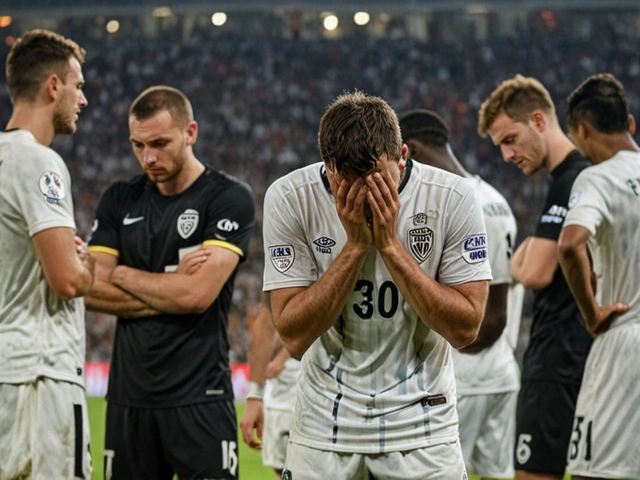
[[280, 392], [379, 380], [41, 334], [605, 199], [494, 369]]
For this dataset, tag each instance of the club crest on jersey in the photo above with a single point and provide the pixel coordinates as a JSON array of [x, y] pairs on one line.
[[282, 257], [187, 223], [421, 243], [324, 244], [474, 248], [51, 187]]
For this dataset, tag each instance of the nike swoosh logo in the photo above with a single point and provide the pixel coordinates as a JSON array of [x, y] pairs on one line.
[[128, 221]]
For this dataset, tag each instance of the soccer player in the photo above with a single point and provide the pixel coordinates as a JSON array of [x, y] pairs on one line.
[[375, 265], [603, 219], [487, 374], [167, 244], [520, 117], [44, 428], [273, 375]]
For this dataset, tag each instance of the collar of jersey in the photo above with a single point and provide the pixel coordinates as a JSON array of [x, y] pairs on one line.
[[405, 179]]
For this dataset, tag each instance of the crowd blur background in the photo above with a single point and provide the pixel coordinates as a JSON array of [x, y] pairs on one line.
[[259, 75]]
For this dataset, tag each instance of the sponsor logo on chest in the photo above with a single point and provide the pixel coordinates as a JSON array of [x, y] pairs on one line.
[[324, 244]]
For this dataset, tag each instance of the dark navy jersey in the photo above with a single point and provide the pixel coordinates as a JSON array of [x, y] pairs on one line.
[[172, 360], [559, 342]]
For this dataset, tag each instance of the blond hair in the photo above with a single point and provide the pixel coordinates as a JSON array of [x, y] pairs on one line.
[[518, 97]]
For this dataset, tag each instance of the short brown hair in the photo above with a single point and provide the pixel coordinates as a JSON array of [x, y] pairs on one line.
[[356, 130], [518, 97], [161, 97], [34, 57]]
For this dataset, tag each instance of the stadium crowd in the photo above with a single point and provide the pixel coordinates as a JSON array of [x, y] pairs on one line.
[[258, 101]]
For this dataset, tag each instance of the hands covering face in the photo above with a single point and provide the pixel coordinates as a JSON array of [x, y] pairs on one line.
[[368, 207]]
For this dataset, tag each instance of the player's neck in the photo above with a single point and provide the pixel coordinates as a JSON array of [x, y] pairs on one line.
[[34, 119], [559, 147], [190, 172]]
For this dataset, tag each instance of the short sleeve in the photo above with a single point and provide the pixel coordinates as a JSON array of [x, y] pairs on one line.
[[587, 205], [465, 256], [105, 232], [232, 217], [288, 260], [42, 189]]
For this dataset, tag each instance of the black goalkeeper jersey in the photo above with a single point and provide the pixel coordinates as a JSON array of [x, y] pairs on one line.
[[172, 360], [559, 342]]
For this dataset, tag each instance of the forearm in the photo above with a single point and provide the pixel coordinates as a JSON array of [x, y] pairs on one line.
[[314, 310], [440, 307], [574, 261], [517, 260], [264, 340], [108, 298], [488, 334], [171, 293]]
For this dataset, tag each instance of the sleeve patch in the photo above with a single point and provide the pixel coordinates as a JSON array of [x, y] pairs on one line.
[[282, 257], [575, 198], [52, 187], [474, 248]]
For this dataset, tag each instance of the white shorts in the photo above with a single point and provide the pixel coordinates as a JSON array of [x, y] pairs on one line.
[[604, 442], [44, 431], [443, 462], [275, 437], [487, 433]]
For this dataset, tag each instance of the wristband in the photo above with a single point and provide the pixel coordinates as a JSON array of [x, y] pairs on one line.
[[255, 391]]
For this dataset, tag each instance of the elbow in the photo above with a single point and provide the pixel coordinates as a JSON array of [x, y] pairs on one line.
[[567, 250], [198, 304], [69, 290], [296, 348], [464, 336], [536, 280]]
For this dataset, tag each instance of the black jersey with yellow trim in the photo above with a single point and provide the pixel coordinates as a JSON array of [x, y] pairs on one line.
[[172, 360]]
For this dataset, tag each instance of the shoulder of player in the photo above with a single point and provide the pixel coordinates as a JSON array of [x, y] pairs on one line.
[[310, 176], [438, 178], [221, 182], [26, 154]]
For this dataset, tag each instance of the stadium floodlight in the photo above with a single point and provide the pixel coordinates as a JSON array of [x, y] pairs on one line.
[[330, 22], [162, 12], [219, 19], [5, 21], [361, 18], [113, 26]]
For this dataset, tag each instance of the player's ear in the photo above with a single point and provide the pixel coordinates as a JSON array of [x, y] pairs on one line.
[[402, 163], [632, 125], [539, 120]]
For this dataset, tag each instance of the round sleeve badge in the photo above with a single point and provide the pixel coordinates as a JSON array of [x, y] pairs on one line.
[[52, 187]]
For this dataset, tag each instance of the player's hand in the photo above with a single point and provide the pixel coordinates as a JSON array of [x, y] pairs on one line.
[[81, 247], [385, 206], [350, 201], [192, 262], [274, 368], [604, 318], [83, 253], [253, 419]]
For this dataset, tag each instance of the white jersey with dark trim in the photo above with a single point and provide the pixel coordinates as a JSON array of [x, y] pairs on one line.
[[280, 392], [41, 334], [494, 369], [379, 380], [605, 199]]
